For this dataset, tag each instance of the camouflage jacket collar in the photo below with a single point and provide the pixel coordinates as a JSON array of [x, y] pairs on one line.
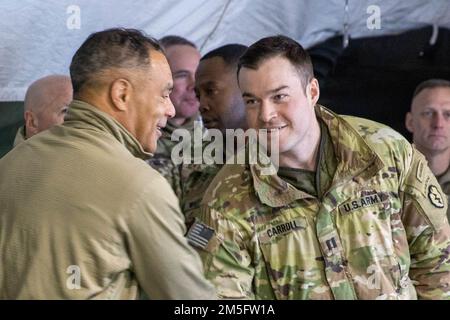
[[165, 143], [84, 115], [356, 160], [188, 125]]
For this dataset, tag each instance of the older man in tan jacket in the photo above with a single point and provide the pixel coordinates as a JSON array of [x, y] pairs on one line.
[[81, 214]]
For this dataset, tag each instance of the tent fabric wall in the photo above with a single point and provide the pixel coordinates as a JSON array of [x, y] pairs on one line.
[[39, 38]]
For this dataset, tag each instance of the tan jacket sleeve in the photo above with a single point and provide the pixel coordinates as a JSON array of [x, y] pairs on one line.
[[427, 230], [166, 266]]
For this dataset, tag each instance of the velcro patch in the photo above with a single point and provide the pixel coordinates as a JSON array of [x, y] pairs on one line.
[[419, 172], [362, 202], [330, 243], [281, 229], [435, 197], [199, 235]]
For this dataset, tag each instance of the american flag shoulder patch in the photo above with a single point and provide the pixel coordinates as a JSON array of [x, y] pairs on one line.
[[199, 235]]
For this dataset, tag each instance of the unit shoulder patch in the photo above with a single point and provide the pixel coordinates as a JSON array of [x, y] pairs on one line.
[[435, 197]]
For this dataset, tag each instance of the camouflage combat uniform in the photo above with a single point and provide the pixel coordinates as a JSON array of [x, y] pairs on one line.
[[197, 178], [162, 162], [377, 229]]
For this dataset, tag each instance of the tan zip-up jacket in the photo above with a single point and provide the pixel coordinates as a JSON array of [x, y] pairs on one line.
[[83, 216]]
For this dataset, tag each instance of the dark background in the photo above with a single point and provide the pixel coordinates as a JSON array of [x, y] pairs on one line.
[[376, 77]]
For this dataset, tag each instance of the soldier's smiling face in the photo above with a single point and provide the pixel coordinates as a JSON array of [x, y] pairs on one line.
[[429, 120], [276, 100]]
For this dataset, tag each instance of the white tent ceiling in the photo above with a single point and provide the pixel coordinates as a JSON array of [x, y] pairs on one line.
[[40, 37]]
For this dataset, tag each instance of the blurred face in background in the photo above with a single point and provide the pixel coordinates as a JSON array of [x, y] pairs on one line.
[[183, 61], [46, 103], [429, 120]]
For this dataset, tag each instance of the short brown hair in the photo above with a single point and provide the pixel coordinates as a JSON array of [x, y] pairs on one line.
[[431, 84], [278, 46], [172, 40]]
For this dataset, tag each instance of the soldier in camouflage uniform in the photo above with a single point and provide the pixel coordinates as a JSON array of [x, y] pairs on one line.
[[352, 213], [183, 58], [221, 108], [429, 123]]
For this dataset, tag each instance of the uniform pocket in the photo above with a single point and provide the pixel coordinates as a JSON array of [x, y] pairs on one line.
[[366, 231], [292, 258]]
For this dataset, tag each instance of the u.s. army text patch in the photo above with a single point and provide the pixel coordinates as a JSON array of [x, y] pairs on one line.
[[362, 202]]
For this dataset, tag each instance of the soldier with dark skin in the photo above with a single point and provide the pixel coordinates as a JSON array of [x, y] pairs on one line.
[[221, 104], [352, 212], [221, 108]]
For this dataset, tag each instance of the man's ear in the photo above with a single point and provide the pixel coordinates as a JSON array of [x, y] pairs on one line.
[[313, 91], [31, 124], [409, 122], [120, 93]]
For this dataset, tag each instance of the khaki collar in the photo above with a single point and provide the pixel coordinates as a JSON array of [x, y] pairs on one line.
[[20, 136], [356, 160], [84, 115]]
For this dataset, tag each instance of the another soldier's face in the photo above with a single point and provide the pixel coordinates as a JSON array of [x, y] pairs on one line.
[[152, 102], [52, 116], [54, 108], [429, 120], [275, 100], [221, 104], [183, 61]]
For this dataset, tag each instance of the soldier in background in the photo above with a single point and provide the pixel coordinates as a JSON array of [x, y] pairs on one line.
[[221, 108], [45, 105], [183, 58], [429, 123], [353, 212]]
